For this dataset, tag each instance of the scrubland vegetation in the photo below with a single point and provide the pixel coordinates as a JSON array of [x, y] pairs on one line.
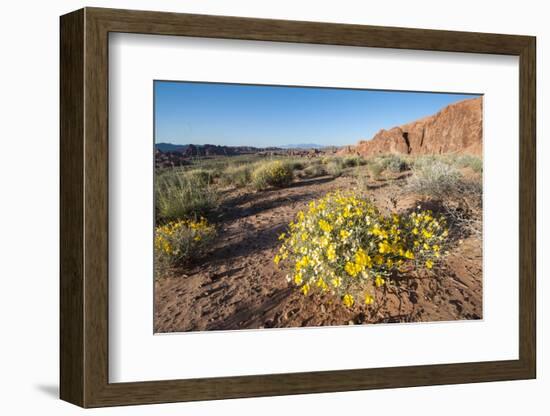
[[342, 245], [193, 191], [277, 174]]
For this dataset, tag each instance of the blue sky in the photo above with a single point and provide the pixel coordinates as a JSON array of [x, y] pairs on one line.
[[262, 116]]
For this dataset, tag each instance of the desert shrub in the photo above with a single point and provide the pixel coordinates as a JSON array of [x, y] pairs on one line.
[[314, 161], [180, 241], [296, 164], [468, 161], [216, 173], [435, 179], [277, 174], [314, 170], [419, 161], [353, 161], [335, 167], [375, 168], [344, 246], [237, 176], [200, 177], [184, 196], [459, 197], [394, 163], [363, 183]]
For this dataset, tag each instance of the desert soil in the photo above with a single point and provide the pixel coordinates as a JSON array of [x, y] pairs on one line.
[[237, 285]]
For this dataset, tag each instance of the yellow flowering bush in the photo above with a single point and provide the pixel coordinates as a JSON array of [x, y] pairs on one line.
[[179, 241], [277, 174], [342, 244]]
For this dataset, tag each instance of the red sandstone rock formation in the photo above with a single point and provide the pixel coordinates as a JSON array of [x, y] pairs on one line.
[[457, 128]]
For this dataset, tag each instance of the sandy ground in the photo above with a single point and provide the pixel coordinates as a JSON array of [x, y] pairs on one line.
[[237, 285]]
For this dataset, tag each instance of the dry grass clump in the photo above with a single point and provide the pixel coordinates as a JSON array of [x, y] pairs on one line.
[[314, 170], [238, 176], [335, 167], [375, 169], [184, 196], [469, 161], [297, 164], [200, 176]]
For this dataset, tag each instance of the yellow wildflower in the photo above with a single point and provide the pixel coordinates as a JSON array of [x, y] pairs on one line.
[[325, 226], [426, 233], [331, 253], [321, 283], [369, 299], [362, 259], [302, 264], [348, 300], [344, 234], [352, 269], [384, 247]]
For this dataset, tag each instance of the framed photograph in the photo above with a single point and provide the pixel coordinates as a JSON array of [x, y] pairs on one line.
[[254, 207]]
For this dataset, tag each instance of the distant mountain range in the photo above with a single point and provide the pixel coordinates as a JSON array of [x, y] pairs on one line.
[[169, 154], [190, 150], [217, 150], [302, 146], [169, 147]]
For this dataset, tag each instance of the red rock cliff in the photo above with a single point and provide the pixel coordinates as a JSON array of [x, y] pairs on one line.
[[457, 128]]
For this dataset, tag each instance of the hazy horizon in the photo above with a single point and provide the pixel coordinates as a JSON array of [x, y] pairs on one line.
[[274, 116]]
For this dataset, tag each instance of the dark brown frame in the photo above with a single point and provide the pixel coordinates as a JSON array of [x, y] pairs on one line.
[[84, 208]]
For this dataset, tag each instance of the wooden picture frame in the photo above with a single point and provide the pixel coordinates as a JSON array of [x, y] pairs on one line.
[[84, 207]]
